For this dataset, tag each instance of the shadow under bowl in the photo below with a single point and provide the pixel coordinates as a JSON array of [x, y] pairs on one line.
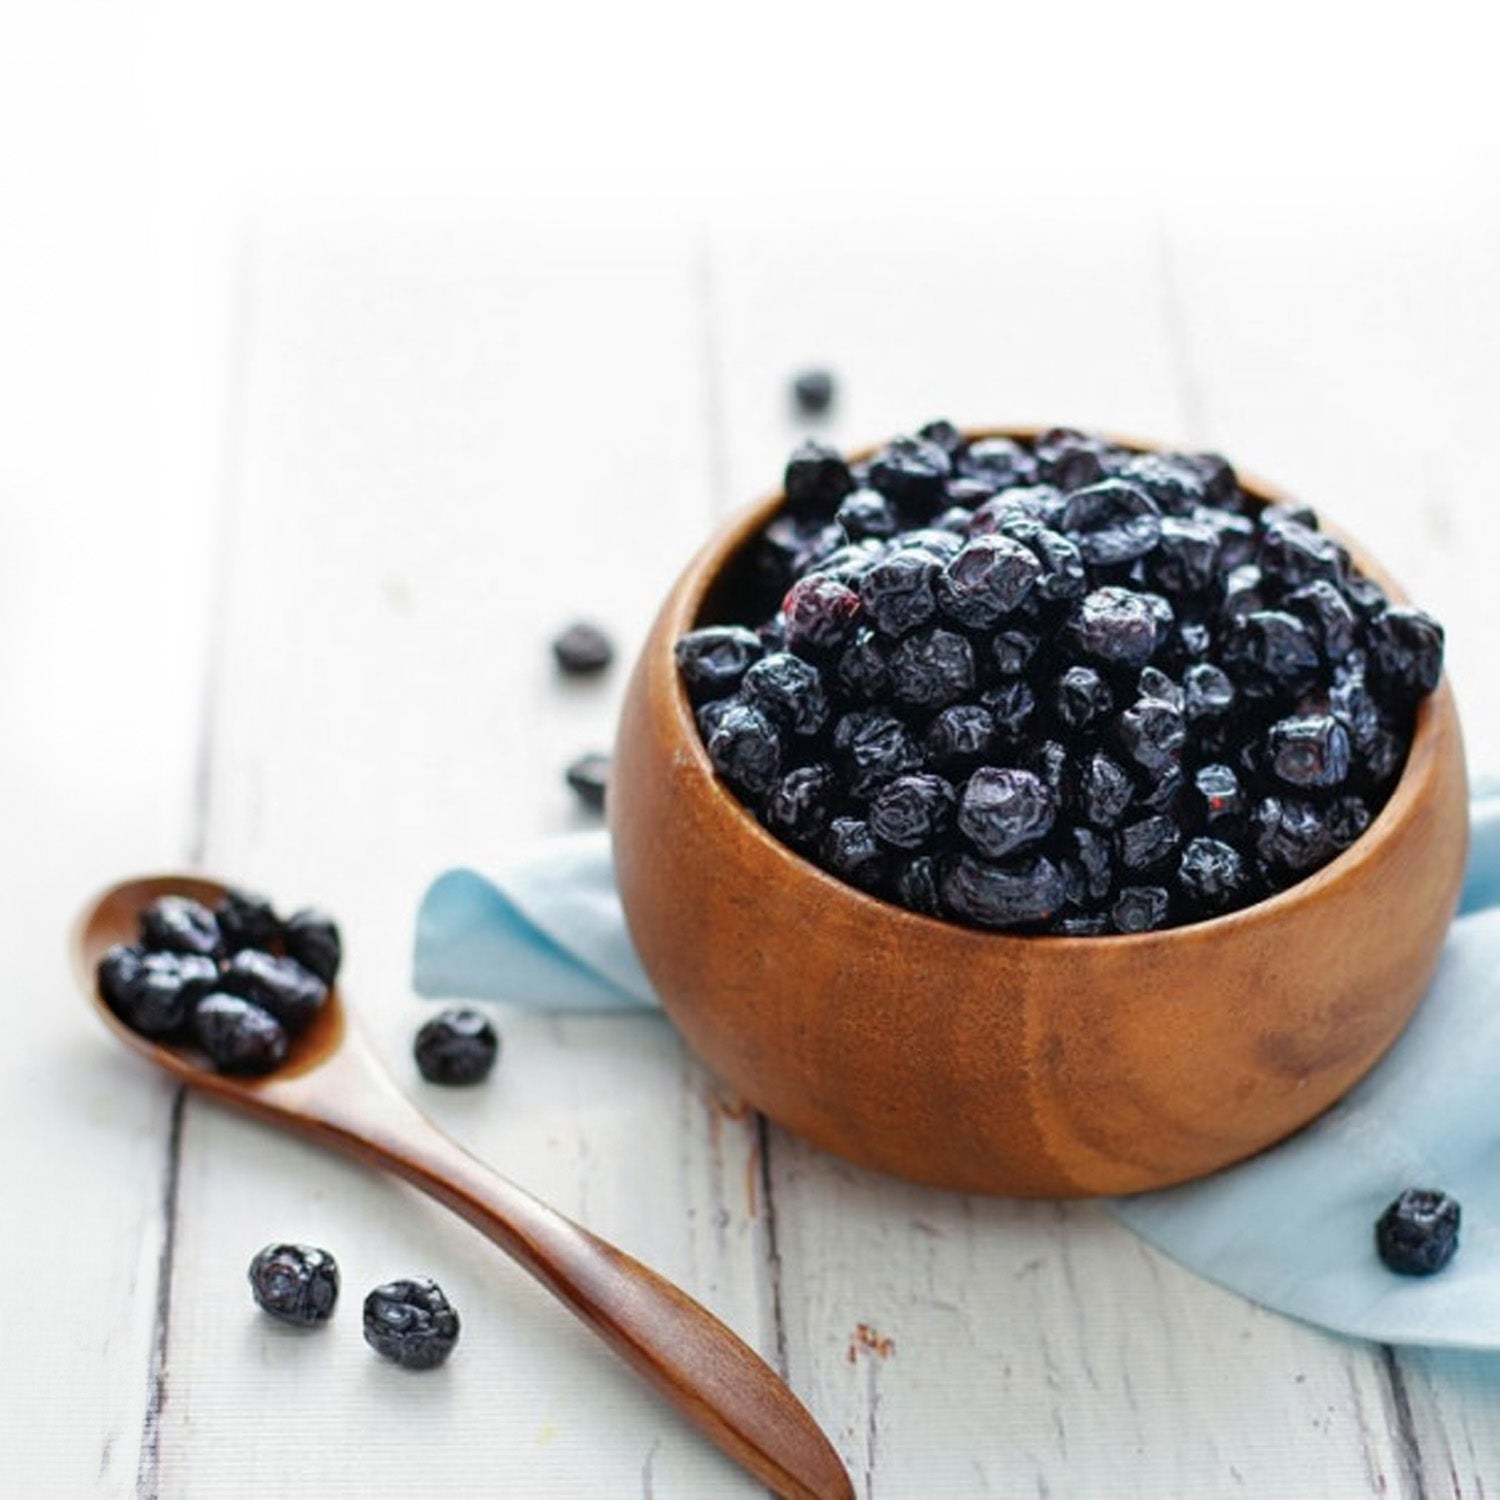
[[1029, 1066]]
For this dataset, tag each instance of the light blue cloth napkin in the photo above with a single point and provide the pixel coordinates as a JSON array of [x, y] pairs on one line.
[[1291, 1229]]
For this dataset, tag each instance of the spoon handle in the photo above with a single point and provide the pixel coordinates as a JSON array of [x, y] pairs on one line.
[[701, 1366]]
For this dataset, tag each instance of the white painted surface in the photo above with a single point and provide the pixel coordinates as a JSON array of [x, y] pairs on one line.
[[408, 391]]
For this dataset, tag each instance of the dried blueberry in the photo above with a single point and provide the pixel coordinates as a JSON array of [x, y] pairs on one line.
[[816, 479], [866, 513], [1081, 698], [745, 749], [1207, 692], [298, 1284], [988, 579], [910, 471], [789, 690], [1018, 894], [931, 669], [1407, 646], [712, 660], [1112, 522], [583, 650], [1145, 844], [801, 803], [916, 885], [912, 812], [154, 993], [281, 985], [1186, 557], [1328, 615], [1220, 799], [959, 736], [1004, 808], [1068, 458], [411, 1323], [1011, 706], [588, 776], [899, 592], [246, 920], [1151, 733], [1292, 835], [456, 1048], [238, 1036], [1212, 874], [821, 614], [851, 851], [1418, 1234], [813, 390], [1012, 651], [1309, 752], [1140, 908], [1116, 626], [870, 749], [862, 672], [1293, 555], [1173, 484], [999, 462], [178, 924], [1272, 643], [312, 938], [1106, 790]]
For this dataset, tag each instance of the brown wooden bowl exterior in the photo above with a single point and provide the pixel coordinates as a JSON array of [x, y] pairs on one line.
[[1028, 1066]]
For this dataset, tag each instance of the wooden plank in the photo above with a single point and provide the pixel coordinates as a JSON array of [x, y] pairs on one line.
[[454, 443], [989, 1347]]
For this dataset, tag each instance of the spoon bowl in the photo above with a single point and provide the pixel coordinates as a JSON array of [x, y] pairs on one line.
[[332, 1089]]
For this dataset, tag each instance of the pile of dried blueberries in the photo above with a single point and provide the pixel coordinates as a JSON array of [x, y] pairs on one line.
[[1055, 686], [237, 980]]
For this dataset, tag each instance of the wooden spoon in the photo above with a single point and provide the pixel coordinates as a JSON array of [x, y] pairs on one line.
[[332, 1089]]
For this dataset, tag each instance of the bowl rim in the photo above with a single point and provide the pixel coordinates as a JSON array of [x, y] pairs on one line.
[[685, 602]]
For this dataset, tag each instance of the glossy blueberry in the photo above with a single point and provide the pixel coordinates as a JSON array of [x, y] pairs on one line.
[[1328, 616], [1147, 843], [1063, 575], [1309, 752], [1207, 692], [1069, 458], [712, 660], [1020, 893], [1219, 799], [945, 435], [1081, 699], [312, 938], [582, 650], [816, 479], [800, 804], [154, 993], [1221, 485], [912, 812], [821, 614], [1294, 555], [789, 691], [456, 1048], [959, 736], [1238, 537], [851, 851], [297, 1284], [1212, 874], [238, 1036], [178, 924], [1116, 626], [1292, 835], [1407, 648], [813, 392], [1004, 808], [588, 776], [745, 748], [280, 985], [910, 471], [246, 920], [1140, 908], [1154, 683], [1112, 522], [870, 748], [1243, 592], [986, 580], [1418, 1234], [1150, 734], [915, 885], [1094, 858], [899, 592], [1346, 818], [931, 669], [1011, 706], [1012, 651], [864, 514], [411, 1323], [1000, 462], [1271, 643], [1186, 557], [1173, 484], [1106, 790]]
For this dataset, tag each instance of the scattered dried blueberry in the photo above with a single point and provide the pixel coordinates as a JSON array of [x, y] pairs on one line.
[[296, 1283], [589, 778], [281, 985], [411, 1323], [813, 391], [1055, 685], [1418, 1233], [582, 650], [456, 1047], [154, 993]]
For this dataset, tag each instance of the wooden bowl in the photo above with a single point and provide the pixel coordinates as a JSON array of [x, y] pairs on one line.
[[1033, 1066]]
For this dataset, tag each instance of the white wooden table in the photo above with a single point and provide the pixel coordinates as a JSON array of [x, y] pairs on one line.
[[448, 434]]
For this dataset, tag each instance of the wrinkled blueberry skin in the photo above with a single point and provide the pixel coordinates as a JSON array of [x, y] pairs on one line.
[[1418, 1234], [1052, 685], [154, 993], [312, 938], [411, 1323], [456, 1048], [298, 1284], [238, 1036], [292, 993], [178, 924]]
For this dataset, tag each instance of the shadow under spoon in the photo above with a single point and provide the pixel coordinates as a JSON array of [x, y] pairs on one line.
[[332, 1089]]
